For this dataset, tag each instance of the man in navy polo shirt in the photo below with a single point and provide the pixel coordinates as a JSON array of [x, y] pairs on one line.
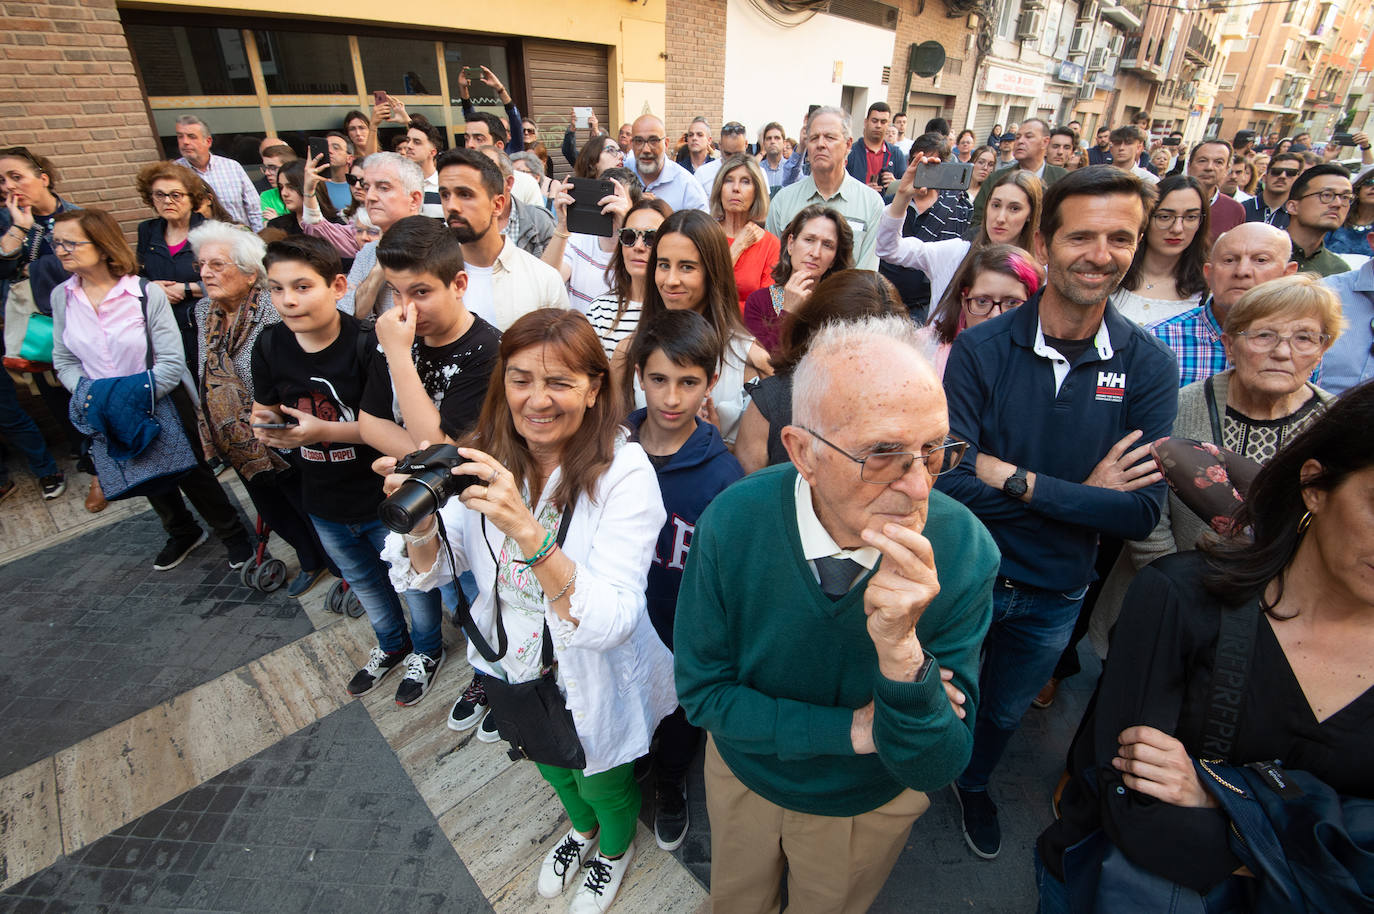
[[1058, 401]]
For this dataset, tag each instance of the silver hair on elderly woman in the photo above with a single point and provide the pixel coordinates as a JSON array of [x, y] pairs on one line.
[[245, 249]]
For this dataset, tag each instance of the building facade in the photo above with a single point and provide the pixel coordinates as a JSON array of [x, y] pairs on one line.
[[98, 86]]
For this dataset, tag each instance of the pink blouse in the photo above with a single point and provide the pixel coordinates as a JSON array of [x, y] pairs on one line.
[[109, 342]]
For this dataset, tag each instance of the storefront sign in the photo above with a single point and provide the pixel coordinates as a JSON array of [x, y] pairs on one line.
[[1070, 73], [1013, 82]]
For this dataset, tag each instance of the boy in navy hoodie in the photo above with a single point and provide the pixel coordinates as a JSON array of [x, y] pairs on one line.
[[677, 359]]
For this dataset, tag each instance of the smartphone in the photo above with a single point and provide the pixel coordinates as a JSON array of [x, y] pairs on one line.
[[319, 146], [584, 215], [274, 425], [472, 72], [582, 115], [1344, 139], [1172, 141], [944, 176], [379, 97]]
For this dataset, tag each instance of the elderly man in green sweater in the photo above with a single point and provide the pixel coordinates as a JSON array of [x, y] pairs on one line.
[[828, 630]]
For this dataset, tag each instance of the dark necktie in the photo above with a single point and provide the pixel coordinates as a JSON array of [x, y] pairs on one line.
[[837, 575]]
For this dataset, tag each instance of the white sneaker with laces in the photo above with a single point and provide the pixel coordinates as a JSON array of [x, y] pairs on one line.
[[561, 864], [597, 891]]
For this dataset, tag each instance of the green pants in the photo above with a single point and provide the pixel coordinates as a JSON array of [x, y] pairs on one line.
[[610, 800]]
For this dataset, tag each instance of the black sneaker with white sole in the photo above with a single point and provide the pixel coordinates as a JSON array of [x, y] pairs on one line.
[[471, 706], [379, 663], [488, 732], [670, 815], [982, 832], [53, 485], [176, 549], [420, 672]]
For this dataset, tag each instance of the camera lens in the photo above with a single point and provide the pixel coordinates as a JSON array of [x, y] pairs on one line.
[[416, 499]]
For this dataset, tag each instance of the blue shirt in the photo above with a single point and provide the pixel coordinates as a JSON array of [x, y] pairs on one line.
[[1013, 398], [1350, 360], [1195, 338], [676, 187]]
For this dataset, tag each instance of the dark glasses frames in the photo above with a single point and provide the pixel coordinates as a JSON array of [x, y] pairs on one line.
[[630, 237]]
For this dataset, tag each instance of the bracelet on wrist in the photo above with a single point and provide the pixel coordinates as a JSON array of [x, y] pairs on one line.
[[541, 554], [566, 587], [561, 234], [539, 561]]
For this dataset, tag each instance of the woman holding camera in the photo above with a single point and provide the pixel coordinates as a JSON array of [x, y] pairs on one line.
[[559, 529]]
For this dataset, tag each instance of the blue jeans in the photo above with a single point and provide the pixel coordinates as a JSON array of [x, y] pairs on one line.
[[1029, 630], [427, 617], [19, 430], [357, 551], [1054, 895]]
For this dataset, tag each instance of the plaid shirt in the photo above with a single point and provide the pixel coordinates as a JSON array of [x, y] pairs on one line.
[[1195, 338], [232, 188]]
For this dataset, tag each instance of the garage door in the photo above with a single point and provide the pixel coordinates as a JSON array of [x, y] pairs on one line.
[[984, 119], [558, 77]]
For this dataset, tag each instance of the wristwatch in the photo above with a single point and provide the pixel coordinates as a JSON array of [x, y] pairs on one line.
[[1015, 484]]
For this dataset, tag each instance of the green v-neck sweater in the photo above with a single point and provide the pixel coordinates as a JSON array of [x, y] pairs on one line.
[[774, 669]]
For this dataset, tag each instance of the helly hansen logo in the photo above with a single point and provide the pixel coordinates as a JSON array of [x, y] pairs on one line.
[[1111, 386]]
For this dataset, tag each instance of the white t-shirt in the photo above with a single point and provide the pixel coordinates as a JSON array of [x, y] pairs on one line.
[[587, 265], [478, 297]]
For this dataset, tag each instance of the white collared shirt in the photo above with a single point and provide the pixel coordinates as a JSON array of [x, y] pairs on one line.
[[1101, 342], [816, 542]]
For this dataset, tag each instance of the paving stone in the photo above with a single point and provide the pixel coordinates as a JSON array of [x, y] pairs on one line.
[[283, 856], [94, 635]]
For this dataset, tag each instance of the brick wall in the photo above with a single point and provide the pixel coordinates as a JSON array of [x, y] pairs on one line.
[[68, 91], [696, 63], [933, 25]]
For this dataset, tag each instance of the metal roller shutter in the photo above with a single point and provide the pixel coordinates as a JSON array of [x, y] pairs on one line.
[[558, 77], [984, 119]]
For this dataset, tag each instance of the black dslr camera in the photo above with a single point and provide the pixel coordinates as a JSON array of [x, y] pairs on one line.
[[430, 485]]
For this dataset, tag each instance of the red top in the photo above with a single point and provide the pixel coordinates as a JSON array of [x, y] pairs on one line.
[[1226, 215], [754, 269], [876, 160]]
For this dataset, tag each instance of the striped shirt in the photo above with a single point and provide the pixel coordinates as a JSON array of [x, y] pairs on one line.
[[587, 263], [232, 189], [602, 316]]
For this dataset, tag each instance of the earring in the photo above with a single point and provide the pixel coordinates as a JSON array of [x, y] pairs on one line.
[[1304, 522]]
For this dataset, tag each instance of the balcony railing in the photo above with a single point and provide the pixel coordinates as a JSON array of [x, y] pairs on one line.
[[1126, 14], [1200, 47]]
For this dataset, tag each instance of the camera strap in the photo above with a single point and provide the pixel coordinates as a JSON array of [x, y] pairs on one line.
[[464, 610]]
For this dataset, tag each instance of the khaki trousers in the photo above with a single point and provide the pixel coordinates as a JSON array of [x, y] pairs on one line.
[[834, 863]]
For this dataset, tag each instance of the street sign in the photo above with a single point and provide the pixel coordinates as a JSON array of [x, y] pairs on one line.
[[926, 58]]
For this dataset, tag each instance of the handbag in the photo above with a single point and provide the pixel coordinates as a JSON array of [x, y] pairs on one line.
[[159, 467], [28, 331], [1100, 877], [532, 716]]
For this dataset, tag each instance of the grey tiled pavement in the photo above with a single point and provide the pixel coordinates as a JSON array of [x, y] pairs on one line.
[[325, 821], [93, 635]]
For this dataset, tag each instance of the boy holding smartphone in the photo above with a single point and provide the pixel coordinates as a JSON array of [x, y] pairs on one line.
[[309, 372]]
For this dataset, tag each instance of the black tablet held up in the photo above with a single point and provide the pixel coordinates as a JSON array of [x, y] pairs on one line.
[[584, 215]]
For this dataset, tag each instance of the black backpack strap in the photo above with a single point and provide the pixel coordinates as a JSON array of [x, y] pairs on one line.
[[1230, 674], [464, 609], [1213, 412]]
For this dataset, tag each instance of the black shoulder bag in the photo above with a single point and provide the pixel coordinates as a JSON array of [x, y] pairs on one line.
[[532, 716]]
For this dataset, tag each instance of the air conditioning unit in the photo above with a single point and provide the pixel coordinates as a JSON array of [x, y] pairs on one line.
[[1032, 5], [1087, 11], [1087, 91], [1117, 44], [1082, 39], [1096, 59], [1031, 26]]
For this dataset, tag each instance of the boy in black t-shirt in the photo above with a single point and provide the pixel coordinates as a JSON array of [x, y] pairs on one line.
[[427, 388], [308, 377]]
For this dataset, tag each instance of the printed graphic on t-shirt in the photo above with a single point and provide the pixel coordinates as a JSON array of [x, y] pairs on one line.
[[438, 374], [1111, 386], [323, 402]]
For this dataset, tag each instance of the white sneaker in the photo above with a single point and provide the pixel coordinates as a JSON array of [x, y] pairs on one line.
[[597, 891], [561, 864]]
